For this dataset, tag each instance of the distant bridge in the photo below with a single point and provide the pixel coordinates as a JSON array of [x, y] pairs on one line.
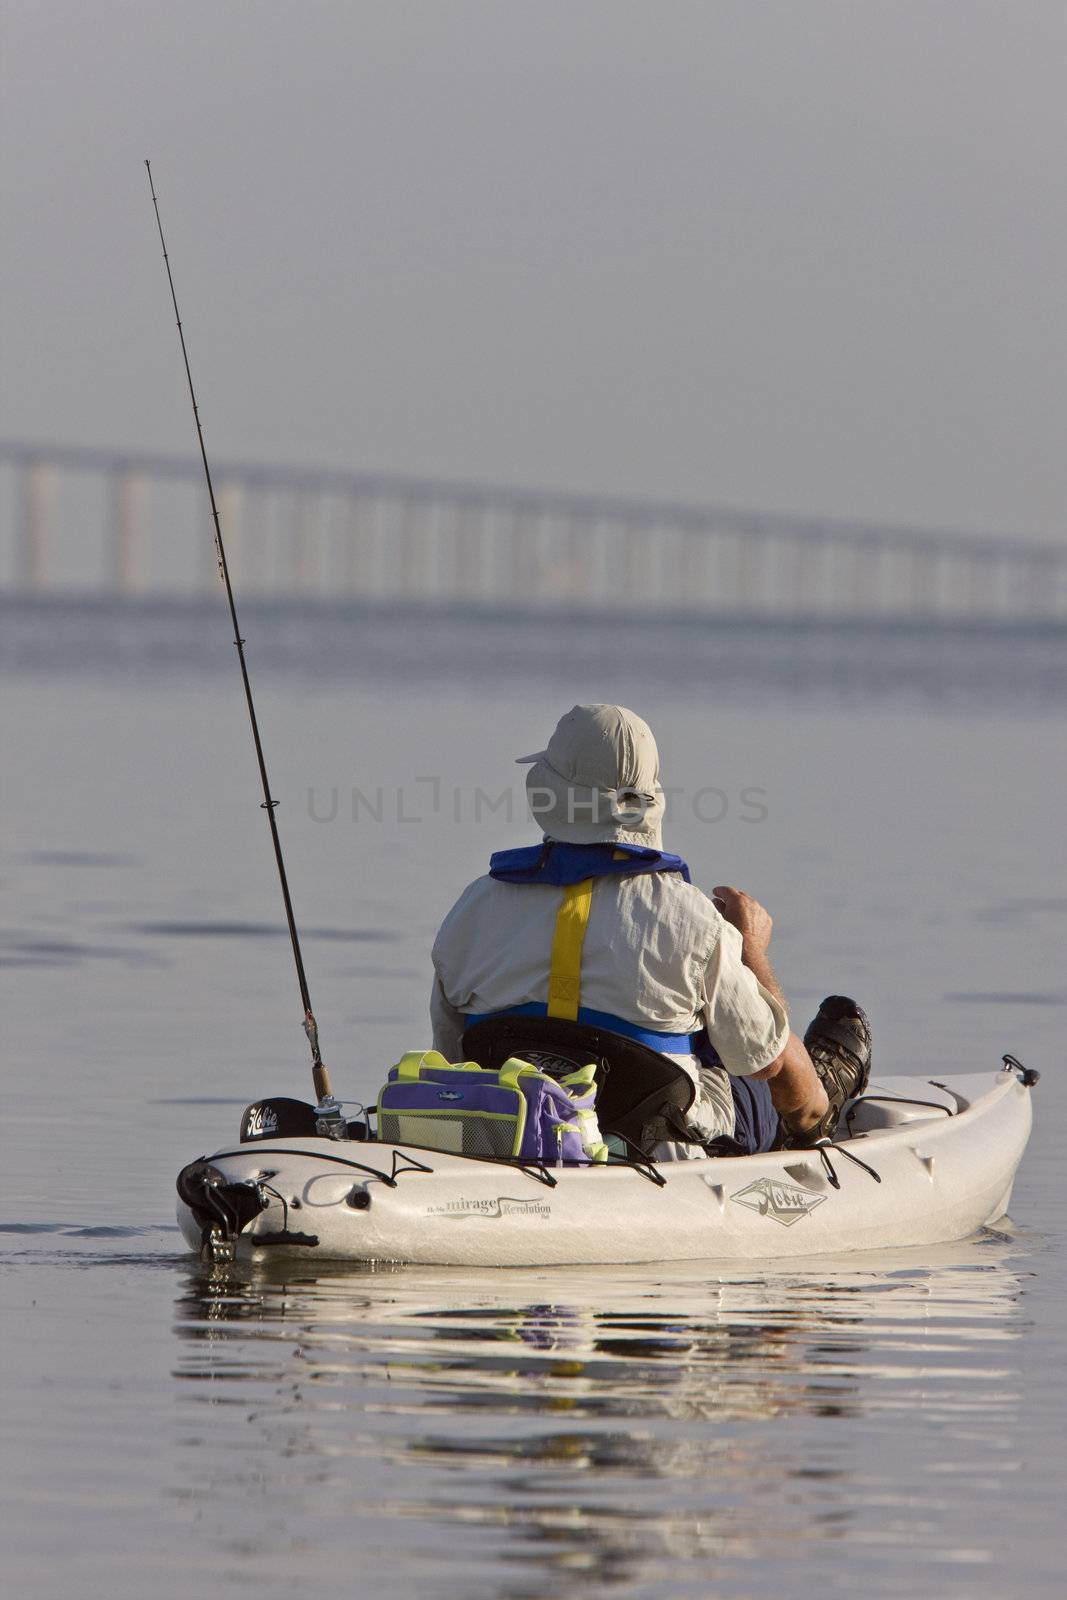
[[126, 523]]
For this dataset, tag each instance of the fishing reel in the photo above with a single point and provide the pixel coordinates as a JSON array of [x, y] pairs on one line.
[[330, 1119]]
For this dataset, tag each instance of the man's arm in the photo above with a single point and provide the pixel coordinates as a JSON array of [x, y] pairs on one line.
[[798, 1095], [447, 1023]]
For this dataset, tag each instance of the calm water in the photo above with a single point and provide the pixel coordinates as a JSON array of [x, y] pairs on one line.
[[890, 1425]]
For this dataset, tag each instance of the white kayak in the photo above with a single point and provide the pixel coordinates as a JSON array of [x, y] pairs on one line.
[[922, 1161]]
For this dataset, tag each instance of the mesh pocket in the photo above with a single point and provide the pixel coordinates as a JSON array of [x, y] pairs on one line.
[[434, 1133], [459, 1133], [488, 1136]]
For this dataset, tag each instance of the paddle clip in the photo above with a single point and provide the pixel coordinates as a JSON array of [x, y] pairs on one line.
[[1028, 1076]]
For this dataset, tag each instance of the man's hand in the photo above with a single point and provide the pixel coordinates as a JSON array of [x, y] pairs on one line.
[[796, 1091], [750, 919]]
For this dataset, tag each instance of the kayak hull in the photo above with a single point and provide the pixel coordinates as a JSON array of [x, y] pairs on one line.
[[934, 1177]]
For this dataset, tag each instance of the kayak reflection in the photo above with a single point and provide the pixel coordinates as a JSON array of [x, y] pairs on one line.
[[611, 1422]]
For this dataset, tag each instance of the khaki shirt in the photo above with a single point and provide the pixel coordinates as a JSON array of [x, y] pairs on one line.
[[657, 953]]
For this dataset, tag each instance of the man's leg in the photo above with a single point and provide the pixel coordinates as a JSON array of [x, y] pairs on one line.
[[755, 1119], [732, 1116], [795, 1087], [838, 1041]]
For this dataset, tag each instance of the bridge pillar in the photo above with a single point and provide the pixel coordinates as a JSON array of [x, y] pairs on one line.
[[924, 597], [230, 501], [958, 593], [694, 570], [598, 562], [473, 552], [985, 584], [305, 540], [581, 533], [448, 524], [630, 573], [208, 578], [129, 523], [554, 555], [800, 571], [526, 567], [1042, 587], [363, 539], [411, 577], [37, 495], [866, 578], [752, 585]]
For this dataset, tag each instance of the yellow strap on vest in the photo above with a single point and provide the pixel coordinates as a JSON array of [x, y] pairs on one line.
[[565, 975]]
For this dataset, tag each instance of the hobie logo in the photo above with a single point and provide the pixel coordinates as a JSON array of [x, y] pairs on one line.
[[262, 1121], [782, 1201]]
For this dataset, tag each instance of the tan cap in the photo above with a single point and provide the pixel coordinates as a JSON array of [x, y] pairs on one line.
[[597, 782]]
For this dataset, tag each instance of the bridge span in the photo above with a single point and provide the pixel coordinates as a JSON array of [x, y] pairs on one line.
[[114, 523]]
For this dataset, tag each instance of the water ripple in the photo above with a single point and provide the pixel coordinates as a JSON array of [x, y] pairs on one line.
[[627, 1429]]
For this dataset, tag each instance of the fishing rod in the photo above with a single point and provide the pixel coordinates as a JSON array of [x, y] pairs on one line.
[[319, 1074]]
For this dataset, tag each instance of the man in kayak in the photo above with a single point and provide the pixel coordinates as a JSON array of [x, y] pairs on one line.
[[601, 925]]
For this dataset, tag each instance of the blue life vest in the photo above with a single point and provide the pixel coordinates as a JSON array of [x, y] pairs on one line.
[[562, 865]]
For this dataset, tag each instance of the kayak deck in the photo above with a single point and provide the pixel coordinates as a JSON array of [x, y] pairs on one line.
[[924, 1161]]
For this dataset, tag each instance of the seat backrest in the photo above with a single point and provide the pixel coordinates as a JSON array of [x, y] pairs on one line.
[[641, 1094]]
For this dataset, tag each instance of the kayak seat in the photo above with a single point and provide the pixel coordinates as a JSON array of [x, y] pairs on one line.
[[641, 1095]]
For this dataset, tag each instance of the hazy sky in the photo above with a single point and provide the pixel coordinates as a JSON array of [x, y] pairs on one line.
[[796, 254]]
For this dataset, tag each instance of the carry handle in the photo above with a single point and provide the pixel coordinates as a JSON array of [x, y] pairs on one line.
[[581, 1077], [409, 1068], [514, 1069]]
